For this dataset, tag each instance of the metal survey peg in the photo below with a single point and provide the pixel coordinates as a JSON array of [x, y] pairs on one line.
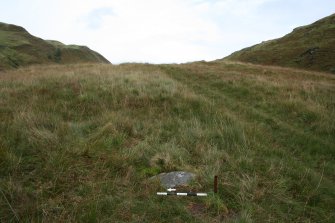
[[215, 184]]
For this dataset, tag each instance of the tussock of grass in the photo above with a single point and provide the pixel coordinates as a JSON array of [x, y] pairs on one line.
[[80, 142]]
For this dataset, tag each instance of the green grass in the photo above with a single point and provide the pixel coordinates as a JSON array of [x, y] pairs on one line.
[[79, 143], [10, 38], [308, 47], [18, 48]]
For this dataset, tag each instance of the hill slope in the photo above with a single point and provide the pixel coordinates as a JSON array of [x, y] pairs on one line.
[[308, 47], [19, 48], [79, 143]]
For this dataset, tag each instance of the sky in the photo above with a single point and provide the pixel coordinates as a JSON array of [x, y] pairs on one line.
[[163, 31]]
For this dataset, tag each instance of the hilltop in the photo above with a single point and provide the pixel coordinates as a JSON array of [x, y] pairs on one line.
[[79, 143], [19, 48], [308, 47]]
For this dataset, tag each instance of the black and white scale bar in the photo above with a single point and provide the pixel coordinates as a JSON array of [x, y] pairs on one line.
[[182, 194]]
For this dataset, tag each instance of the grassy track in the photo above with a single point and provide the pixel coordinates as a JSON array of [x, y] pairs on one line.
[[80, 142]]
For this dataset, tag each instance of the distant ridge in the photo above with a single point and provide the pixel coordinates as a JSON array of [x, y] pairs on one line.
[[19, 48], [308, 47]]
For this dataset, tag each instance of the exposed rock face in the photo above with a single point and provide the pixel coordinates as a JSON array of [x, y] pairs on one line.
[[173, 179]]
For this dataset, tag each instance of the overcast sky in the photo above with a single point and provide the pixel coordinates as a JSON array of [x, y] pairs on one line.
[[163, 31]]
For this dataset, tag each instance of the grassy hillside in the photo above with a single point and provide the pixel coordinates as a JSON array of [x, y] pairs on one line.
[[78, 143], [19, 48], [308, 47]]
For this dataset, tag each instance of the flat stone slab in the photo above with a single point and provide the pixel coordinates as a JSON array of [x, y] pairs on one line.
[[176, 178]]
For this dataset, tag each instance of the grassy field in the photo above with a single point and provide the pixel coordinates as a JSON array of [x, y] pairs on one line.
[[79, 143]]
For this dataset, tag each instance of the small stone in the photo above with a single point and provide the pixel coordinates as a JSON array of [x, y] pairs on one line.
[[174, 179]]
